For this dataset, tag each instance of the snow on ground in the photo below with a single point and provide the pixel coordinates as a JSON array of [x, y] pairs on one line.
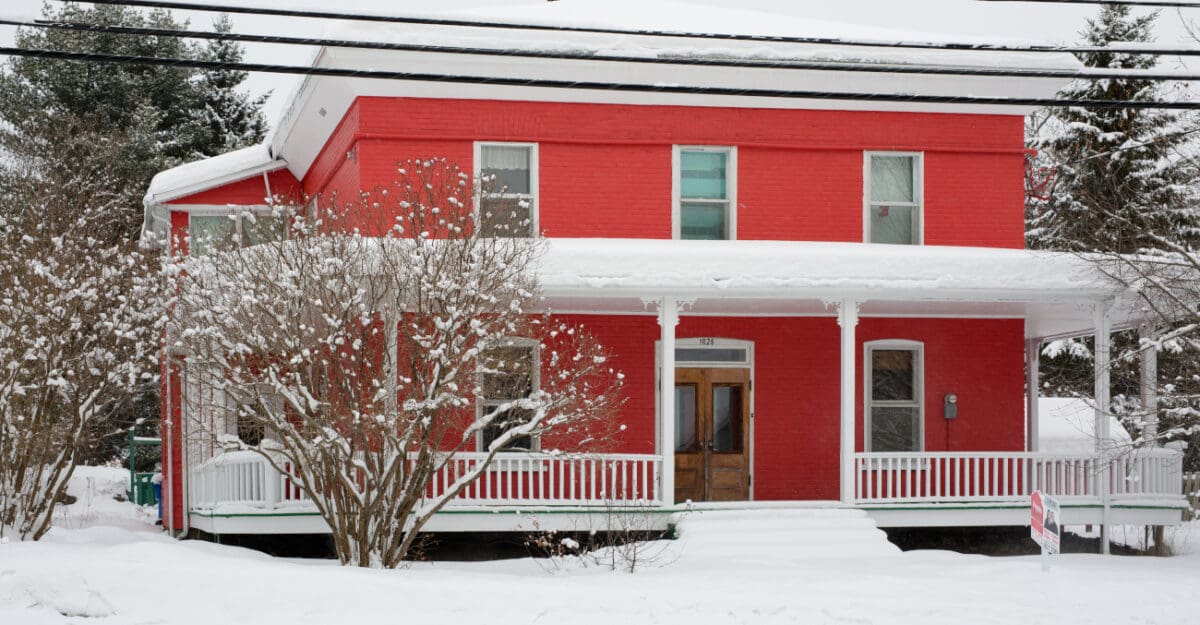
[[794, 566], [1067, 425]]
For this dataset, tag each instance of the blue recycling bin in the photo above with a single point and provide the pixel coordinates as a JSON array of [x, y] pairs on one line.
[[158, 495]]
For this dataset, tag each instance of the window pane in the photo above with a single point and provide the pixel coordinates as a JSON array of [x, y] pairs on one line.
[[513, 377], [503, 423], [895, 429], [505, 217], [892, 375], [685, 418], [892, 179], [702, 175], [209, 233], [261, 229], [509, 165], [893, 224], [703, 221], [708, 354], [727, 418]]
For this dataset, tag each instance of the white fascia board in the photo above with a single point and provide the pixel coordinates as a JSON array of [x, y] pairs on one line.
[[305, 130]]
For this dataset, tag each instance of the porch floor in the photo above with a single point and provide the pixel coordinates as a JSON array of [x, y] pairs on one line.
[[529, 519]]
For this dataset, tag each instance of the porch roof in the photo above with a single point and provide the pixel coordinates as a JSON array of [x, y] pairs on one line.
[[1054, 292]]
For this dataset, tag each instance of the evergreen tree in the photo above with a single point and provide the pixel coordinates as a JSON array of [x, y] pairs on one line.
[[158, 116], [1122, 186], [1119, 173]]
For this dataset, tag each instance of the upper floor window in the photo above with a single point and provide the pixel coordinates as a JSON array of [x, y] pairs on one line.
[[893, 197], [894, 395], [512, 374], [508, 189], [211, 231], [705, 193]]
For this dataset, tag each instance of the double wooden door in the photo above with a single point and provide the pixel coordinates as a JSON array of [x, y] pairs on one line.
[[712, 434]]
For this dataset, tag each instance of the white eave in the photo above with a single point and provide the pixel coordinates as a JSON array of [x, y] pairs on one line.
[[199, 176], [1053, 292]]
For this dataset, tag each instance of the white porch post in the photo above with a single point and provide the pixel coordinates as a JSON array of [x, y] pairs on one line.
[[1103, 356], [1149, 381], [668, 318], [1033, 360], [848, 320]]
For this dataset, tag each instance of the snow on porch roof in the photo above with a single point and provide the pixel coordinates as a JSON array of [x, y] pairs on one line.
[[194, 177], [769, 269]]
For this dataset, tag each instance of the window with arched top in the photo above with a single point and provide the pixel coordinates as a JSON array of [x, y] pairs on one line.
[[894, 405]]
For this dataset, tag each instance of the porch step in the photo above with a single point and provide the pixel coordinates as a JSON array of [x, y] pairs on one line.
[[780, 535]]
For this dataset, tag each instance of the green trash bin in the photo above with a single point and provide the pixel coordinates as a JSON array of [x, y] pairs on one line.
[[143, 489]]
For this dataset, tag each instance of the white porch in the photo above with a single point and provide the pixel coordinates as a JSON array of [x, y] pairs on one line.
[[240, 492], [1054, 295]]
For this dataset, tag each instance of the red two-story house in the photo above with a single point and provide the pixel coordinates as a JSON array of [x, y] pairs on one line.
[[817, 300]]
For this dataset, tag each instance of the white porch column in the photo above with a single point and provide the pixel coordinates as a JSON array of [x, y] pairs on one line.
[[848, 320], [1103, 356], [1033, 385], [1149, 381], [668, 318]]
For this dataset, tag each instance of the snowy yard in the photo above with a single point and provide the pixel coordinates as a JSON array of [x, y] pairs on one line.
[[107, 565]]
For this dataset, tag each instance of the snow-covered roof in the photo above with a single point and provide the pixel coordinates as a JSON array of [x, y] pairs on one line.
[[209, 173], [1067, 425], [796, 269], [683, 17], [198, 176]]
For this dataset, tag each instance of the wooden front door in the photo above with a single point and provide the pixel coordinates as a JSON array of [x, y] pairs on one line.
[[712, 434]]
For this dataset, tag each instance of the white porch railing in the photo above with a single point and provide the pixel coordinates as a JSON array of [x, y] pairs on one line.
[[998, 476], [246, 479]]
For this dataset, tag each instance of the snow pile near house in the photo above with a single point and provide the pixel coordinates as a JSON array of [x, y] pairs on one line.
[[1067, 425], [102, 500]]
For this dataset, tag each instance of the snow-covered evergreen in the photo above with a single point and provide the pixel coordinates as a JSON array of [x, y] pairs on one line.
[[1119, 171]]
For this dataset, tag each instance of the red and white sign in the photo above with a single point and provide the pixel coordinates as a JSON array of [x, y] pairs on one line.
[[1045, 525]]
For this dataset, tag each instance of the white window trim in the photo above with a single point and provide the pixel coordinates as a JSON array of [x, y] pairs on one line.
[[534, 188], [918, 193], [731, 177], [536, 442], [918, 385]]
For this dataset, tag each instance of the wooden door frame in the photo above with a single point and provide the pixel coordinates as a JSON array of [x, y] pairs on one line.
[[716, 343]]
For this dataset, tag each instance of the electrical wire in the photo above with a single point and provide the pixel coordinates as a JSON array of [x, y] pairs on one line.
[[880, 68], [588, 85], [1181, 4], [432, 21]]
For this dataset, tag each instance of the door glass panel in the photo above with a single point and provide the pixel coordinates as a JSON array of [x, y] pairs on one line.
[[685, 418], [710, 354], [895, 428], [727, 418], [892, 374]]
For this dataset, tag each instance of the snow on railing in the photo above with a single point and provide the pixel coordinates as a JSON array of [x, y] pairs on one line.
[[245, 478], [998, 476]]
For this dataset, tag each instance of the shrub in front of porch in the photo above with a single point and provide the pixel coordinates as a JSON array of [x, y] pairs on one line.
[[362, 367]]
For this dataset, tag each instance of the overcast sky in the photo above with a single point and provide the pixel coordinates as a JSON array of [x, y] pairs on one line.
[[973, 20]]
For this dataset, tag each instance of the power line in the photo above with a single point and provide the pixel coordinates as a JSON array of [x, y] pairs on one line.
[[430, 21], [588, 85], [881, 68]]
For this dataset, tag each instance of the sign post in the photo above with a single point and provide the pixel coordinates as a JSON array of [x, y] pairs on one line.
[[1045, 525]]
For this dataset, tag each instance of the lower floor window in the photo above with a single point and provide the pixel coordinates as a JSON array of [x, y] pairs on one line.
[[510, 374], [893, 397]]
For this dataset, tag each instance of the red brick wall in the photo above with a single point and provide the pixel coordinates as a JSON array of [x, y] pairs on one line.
[[605, 170], [796, 388]]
